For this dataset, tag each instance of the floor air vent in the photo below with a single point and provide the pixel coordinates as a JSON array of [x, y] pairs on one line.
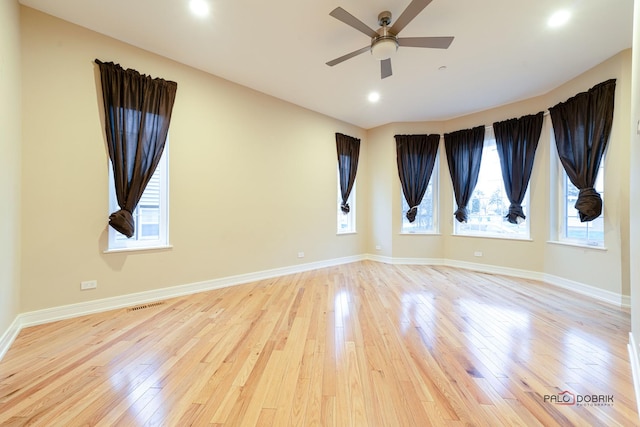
[[143, 306]]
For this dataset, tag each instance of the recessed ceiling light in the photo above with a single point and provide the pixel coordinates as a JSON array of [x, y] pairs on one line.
[[374, 97], [559, 18], [199, 7]]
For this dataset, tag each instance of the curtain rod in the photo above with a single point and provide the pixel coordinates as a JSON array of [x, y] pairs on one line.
[[545, 113]]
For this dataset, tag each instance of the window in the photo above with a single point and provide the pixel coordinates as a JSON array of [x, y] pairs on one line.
[[347, 221], [426, 218], [571, 230], [151, 214], [489, 203]]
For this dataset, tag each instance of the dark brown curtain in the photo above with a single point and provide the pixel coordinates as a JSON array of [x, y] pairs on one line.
[[464, 153], [516, 142], [348, 152], [416, 156], [582, 126], [137, 112]]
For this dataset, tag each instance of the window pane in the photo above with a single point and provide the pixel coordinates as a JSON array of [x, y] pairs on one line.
[[573, 231], [347, 222], [150, 216], [425, 217], [149, 222], [489, 203]]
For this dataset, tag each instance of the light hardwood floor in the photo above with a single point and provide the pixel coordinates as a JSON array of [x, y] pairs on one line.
[[362, 344]]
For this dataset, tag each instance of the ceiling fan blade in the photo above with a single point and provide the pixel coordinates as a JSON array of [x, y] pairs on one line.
[[432, 42], [414, 8], [342, 15], [385, 68], [348, 56]]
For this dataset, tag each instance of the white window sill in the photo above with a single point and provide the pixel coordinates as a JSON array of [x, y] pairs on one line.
[[139, 249], [420, 233], [346, 233], [578, 245], [477, 236]]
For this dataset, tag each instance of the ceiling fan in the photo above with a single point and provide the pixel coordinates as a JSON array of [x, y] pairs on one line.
[[385, 40]]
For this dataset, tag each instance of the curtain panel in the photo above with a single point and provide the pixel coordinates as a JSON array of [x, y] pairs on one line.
[[137, 111], [348, 149], [464, 153], [416, 156], [516, 143], [582, 126]]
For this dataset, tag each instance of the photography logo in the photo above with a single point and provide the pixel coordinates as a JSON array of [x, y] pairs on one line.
[[566, 398], [562, 398]]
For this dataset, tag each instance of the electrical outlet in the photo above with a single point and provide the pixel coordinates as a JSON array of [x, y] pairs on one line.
[[378, 247], [300, 254], [89, 284], [477, 253]]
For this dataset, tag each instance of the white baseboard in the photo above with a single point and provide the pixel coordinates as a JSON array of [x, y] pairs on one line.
[[635, 367], [53, 314], [495, 269], [9, 336], [591, 291], [80, 309], [404, 261], [581, 288]]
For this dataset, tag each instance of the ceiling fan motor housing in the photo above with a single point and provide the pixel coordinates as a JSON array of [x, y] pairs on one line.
[[386, 43], [384, 18], [385, 40]]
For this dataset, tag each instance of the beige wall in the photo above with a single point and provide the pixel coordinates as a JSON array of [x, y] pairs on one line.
[[608, 269], [519, 254], [252, 178], [634, 191], [253, 181], [598, 268], [604, 269], [10, 125], [386, 195]]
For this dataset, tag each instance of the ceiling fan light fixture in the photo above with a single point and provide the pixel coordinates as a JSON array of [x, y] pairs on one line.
[[384, 48], [384, 41]]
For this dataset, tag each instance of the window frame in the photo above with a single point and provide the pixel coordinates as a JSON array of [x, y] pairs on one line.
[[434, 184], [351, 216], [489, 141], [116, 242], [564, 208]]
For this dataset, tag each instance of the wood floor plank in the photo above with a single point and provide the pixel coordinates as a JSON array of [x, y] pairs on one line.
[[360, 344]]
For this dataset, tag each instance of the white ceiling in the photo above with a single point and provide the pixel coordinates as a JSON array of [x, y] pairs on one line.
[[503, 50]]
